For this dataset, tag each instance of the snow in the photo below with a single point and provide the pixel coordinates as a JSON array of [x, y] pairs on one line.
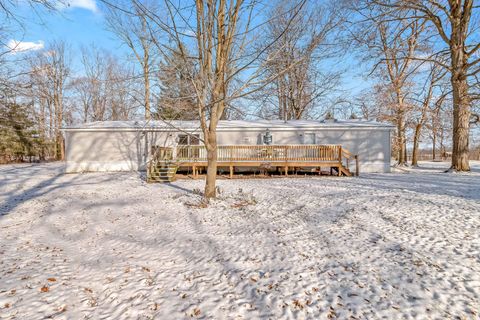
[[404, 245]]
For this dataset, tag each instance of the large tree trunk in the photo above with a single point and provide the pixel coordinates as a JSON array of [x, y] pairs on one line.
[[401, 139], [434, 145], [416, 139], [210, 185], [460, 17], [461, 123]]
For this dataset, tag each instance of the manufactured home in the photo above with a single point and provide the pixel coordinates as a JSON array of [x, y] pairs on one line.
[[347, 145]]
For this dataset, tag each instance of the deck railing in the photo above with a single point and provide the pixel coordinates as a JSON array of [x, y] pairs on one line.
[[243, 155], [273, 153]]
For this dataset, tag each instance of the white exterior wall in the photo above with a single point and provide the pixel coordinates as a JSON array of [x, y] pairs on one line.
[[111, 150], [371, 145]]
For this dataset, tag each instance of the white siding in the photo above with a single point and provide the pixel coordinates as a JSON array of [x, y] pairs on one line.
[[129, 150]]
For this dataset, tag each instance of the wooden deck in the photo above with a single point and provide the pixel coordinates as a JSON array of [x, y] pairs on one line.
[[279, 157]]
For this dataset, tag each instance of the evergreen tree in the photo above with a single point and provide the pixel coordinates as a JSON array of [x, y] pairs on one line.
[[176, 100], [18, 138]]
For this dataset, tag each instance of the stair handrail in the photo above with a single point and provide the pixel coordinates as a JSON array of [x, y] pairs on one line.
[[348, 155], [152, 161]]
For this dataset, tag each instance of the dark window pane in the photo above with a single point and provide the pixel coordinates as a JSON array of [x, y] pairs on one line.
[[195, 140], [183, 139]]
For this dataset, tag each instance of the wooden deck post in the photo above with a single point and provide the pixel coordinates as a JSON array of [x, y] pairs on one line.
[[339, 160], [286, 171], [357, 166], [194, 168], [231, 172]]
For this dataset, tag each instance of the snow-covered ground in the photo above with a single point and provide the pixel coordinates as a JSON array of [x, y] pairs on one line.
[[109, 246]]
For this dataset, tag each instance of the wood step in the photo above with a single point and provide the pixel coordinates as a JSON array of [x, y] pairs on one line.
[[346, 171], [165, 169], [162, 172], [160, 179]]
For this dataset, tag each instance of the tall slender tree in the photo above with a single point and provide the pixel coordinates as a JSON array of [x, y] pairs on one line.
[[132, 28], [456, 25]]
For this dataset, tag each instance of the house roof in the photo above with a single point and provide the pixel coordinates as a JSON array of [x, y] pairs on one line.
[[228, 125]]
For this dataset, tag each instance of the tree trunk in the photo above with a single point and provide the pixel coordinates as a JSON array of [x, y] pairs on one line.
[[416, 139], [210, 185], [461, 124], [460, 17], [401, 139], [434, 144], [59, 150], [60, 146], [146, 78]]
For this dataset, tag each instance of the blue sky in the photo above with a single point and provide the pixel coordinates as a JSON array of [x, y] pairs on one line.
[[79, 24], [82, 23]]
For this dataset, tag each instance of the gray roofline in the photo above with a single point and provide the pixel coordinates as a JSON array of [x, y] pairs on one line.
[[304, 125], [233, 129]]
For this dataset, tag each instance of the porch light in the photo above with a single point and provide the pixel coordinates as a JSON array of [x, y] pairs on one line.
[[267, 138]]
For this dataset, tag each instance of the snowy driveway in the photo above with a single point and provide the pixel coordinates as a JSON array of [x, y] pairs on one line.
[[109, 246]]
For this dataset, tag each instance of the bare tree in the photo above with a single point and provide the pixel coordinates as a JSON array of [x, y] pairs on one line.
[[220, 46], [395, 43], [107, 89], [456, 24], [121, 88], [95, 63], [51, 72], [12, 23], [430, 97], [303, 51], [131, 27]]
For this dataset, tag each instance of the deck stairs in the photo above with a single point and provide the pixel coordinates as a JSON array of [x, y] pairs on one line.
[[344, 171], [162, 171]]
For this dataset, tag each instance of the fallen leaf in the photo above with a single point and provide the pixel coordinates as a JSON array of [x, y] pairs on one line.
[[196, 312], [44, 289], [331, 314], [52, 279], [297, 304]]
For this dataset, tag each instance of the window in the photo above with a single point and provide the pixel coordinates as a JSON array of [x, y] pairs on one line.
[[188, 140], [194, 140], [182, 140], [309, 138]]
